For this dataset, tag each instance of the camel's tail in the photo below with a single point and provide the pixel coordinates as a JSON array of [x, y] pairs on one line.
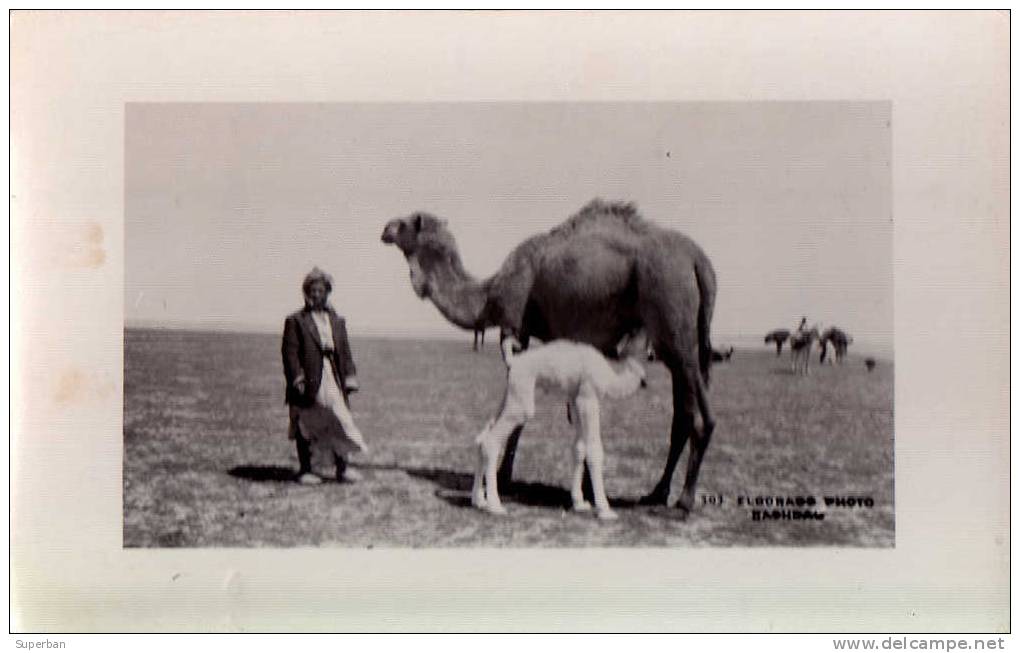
[[705, 277]]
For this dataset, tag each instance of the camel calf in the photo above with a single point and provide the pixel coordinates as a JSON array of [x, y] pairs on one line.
[[720, 356], [584, 373]]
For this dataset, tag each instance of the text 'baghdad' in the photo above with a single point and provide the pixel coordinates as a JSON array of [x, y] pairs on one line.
[[791, 508]]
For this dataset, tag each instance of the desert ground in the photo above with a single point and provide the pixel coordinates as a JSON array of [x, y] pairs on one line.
[[207, 462]]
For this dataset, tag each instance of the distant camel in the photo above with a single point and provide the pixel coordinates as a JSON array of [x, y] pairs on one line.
[[479, 340], [779, 336], [583, 373], [839, 340], [592, 279], [719, 356], [869, 363], [800, 349]]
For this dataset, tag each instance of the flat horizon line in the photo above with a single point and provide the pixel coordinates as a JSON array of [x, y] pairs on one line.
[[875, 351]]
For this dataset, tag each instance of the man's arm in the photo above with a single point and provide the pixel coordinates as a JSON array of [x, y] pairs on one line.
[[291, 359], [350, 372]]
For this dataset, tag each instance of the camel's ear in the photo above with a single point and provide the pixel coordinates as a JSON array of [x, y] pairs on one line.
[[418, 221]]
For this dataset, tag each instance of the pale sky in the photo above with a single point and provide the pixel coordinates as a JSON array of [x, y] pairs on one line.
[[228, 206]]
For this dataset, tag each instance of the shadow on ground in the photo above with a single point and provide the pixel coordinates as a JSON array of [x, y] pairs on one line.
[[455, 487], [264, 473]]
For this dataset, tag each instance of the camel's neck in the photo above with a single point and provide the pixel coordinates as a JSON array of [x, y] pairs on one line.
[[626, 379], [459, 297]]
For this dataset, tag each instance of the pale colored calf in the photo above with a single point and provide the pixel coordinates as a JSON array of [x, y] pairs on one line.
[[584, 374]]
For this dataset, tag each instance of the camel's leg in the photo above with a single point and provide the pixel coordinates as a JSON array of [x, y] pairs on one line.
[[681, 428], [666, 299], [491, 445], [506, 468], [478, 488], [588, 412], [707, 417], [586, 488], [580, 452], [699, 444], [520, 402], [490, 452]]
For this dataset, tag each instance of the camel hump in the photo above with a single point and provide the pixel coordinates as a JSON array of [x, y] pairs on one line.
[[600, 213]]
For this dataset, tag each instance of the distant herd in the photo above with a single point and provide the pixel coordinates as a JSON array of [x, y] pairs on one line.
[[803, 339]]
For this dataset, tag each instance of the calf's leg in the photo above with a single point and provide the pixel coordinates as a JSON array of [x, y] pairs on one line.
[[588, 412]]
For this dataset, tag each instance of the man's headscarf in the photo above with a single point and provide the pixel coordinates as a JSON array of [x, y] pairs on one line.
[[317, 275]]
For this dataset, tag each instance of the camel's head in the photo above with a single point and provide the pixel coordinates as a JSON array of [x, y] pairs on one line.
[[413, 232], [425, 241]]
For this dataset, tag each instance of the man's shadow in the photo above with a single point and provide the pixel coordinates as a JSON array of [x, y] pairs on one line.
[[264, 473]]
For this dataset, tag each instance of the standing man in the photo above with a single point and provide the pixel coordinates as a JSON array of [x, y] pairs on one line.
[[320, 373]]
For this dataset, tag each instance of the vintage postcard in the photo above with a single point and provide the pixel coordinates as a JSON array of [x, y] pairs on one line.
[[736, 218], [351, 304]]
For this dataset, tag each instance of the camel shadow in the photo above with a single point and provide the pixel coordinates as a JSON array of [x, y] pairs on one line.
[[455, 489], [539, 495], [264, 473], [446, 479]]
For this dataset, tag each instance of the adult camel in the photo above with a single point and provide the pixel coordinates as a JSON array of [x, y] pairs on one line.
[[779, 336], [839, 340], [594, 278]]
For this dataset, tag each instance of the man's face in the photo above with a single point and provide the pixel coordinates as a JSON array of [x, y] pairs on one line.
[[317, 294]]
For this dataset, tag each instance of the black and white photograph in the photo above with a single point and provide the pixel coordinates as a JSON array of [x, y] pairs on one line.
[[510, 321], [495, 324]]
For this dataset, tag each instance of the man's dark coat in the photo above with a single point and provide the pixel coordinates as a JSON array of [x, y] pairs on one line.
[[302, 355]]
